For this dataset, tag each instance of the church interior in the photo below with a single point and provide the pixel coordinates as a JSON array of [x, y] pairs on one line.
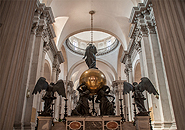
[[133, 39]]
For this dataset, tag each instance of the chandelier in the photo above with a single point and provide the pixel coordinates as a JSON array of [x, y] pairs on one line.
[[91, 13]]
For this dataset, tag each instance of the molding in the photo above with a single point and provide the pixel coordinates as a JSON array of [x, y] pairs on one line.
[[51, 31], [53, 46], [60, 57], [49, 15]]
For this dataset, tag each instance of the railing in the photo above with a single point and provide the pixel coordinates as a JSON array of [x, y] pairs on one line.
[[100, 51]]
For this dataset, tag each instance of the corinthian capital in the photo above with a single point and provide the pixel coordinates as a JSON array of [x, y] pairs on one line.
[[46, 47], [34, 27], [144, 30], [151, 26]]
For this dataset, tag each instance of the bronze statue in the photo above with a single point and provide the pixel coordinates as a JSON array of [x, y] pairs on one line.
[[82, 108], [49, 96], [106, 107], [90, 53], [137, 90]]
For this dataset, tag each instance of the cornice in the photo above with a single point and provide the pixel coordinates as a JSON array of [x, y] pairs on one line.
[[49, 14], [53, 46], [60, 57], [51, 31]]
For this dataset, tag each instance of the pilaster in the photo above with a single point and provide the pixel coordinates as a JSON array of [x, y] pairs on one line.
[[25, 92], [144, 40], [15, 32]]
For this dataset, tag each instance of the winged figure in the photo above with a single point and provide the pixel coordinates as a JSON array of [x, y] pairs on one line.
[[51, 88], [137, 90]]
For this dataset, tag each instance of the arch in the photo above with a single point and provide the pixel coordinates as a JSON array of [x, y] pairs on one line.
[[47, 71], [119, 69], [123, 43], [137, 71], [64, 65], [78, 68]]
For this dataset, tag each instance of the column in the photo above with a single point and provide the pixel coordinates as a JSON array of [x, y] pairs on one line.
[[153, 104], [31, 112], [125, 100], [24, 90], [15, 33], [57, 100], [161, 82], [131, 108], [46, 48], [170, 19]]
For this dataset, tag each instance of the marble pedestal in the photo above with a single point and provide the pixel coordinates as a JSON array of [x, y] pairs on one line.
[[94, 123], [142, 122], [44, 122]]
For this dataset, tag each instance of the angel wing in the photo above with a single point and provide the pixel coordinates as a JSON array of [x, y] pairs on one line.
[[147, 85], [59, 87], [40, 85], [127, 87]]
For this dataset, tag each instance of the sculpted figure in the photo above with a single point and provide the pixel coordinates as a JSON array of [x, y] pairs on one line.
[[138, 96], [82, 108], [90, 55], [106, 107], [49, 95]]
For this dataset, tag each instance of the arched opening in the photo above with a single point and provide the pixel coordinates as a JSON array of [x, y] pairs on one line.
[[137, 72], [47, 71]]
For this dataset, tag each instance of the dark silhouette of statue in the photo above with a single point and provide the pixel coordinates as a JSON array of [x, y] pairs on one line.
[[138, 96], [82, 108], [49, 95], [106, 107], [90, 54]]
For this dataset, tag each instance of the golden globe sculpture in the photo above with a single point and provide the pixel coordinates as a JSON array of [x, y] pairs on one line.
[[94, 79]]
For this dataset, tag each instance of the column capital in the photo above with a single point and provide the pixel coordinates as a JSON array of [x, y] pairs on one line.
[[144, 30], [151, 26], [46, 47], [138, 46], [34, 28], [40, 30], [55, 65]]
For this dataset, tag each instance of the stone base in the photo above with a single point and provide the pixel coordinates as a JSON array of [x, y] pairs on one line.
[[44, 123], [142, 122], [94, 123], [59, 126], [128, 126]]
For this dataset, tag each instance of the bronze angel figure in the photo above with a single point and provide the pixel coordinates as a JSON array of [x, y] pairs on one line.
[[137, 90], [51, 88]]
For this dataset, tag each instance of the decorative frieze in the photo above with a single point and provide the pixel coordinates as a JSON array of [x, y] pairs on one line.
[[51, 31], [53, 46], [142, 23], [49, 15]]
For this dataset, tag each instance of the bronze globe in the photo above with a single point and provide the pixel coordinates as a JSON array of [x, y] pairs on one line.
[[94, 79]]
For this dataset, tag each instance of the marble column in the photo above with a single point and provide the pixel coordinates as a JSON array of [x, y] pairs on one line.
[[39, 101], [170, 21], [30, 117], [161, 82], [25, 92], [57, 100], [131, 100], [16, 20], [117, 101]]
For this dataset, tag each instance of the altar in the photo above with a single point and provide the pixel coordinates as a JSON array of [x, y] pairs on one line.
[[93, 123]]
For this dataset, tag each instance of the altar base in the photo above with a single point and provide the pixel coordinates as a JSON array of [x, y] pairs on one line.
[[93, 123], [142, 122], [44, 123]]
